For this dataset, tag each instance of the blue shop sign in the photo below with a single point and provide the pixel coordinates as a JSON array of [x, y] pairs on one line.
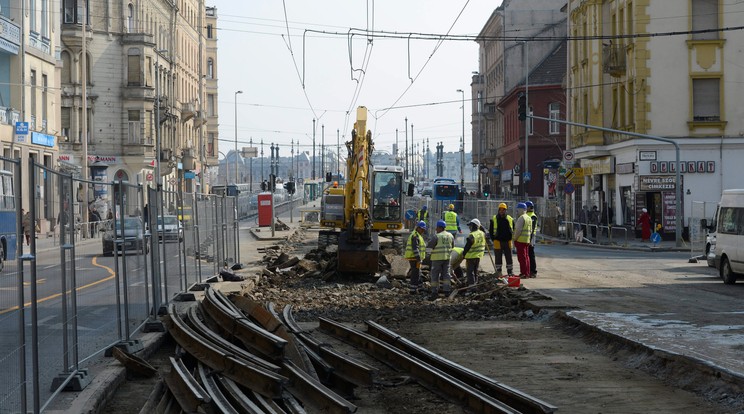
[[42, 139], [21, 128]]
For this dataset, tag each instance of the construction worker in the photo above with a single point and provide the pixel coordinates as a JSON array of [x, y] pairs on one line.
[[441, 247], [521, 237], [501, 231], [335, 184], [453, 221], [415, 252], [475, 246], [531, 212], [423, 215], [456, 257]]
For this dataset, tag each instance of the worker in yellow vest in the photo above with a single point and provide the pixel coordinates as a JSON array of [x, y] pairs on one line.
[[531, 212], [475, 247], [456, 257], [452, 221], [522, 237], [441, 247], [415, 252]]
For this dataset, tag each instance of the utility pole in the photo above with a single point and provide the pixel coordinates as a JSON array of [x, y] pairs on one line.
[[462, 143], [428, 156], [413, 163], [313, 148], [397, 157], [250, 174], [322, 151], [338, 153], [262, 157], [237, 179], [406, 173]]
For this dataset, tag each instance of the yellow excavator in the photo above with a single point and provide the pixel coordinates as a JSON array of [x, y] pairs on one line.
[[369, 204]]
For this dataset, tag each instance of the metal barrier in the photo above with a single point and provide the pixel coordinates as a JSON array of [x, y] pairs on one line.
[[66, 299]]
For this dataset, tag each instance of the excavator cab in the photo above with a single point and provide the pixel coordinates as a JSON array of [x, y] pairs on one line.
[[387, 201]]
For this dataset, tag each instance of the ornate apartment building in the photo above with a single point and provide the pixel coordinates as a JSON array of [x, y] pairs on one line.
[[664, 69], [150, 71]]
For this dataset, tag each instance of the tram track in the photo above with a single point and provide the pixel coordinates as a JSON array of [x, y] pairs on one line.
[[290, 370]]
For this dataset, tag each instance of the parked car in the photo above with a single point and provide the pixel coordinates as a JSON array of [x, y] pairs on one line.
[[710, 242], [128, 239], [426, 191], [728, 225], [170, 228]]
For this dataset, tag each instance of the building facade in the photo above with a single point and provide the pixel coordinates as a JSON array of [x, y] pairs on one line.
[[143, 91], [676, 86]]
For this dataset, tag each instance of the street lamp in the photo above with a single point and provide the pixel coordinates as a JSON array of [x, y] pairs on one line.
[[236, 136], [462, 143]]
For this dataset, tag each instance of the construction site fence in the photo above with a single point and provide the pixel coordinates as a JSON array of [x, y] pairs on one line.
[[701, 212], [64, 303]]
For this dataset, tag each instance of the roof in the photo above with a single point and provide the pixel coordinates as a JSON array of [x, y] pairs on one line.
[[552, 69]]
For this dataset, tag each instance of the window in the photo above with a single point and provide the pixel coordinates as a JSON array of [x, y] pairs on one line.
[[44, 101], [45, 18], [210, 68], [130, 18], [148, 71], [704, 17], [209, 31], [66, 67], [134, 72], [73, 11], [731, 221], [65, 122], [706, 99], [210, 105], [554, 110], [33, 93], [32, 15]]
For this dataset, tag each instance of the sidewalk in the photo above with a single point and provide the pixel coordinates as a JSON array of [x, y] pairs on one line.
[[632, 244]]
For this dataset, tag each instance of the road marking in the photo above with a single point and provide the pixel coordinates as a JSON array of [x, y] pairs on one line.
[[79, 289]]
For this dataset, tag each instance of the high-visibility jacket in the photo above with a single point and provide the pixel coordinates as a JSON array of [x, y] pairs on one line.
[[450, 218], [423, 215], [415, 252], [444, 246], [479, 245], [495, 225], [533, 216], [526, 233], [456, 256]]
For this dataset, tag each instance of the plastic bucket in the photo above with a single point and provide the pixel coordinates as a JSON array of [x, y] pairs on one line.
[[513, 281]]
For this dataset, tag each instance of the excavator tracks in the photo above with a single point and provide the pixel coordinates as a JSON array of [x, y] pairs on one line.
[[236, 355]]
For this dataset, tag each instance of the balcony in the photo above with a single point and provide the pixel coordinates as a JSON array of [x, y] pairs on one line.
[[139, 93], [613, 60], [188, 111]]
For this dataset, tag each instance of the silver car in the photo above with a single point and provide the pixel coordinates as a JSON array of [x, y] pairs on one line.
[[169, 228], [130, 239]]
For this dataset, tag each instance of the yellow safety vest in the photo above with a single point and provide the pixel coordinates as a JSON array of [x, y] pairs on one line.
[[495, 221], [479, 245], [444, 246], [423, 217], [533, 216], [524, 237], [409, 246], [450, 218]]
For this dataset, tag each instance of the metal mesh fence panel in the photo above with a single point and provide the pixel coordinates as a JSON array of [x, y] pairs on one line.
[[12, 357]]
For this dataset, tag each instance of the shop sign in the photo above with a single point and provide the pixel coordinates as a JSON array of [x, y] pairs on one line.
[[602, 165], [647, 155], [625, 168], [657, 182], [669, 211], [656, 167], [104, 159], [506, 175]]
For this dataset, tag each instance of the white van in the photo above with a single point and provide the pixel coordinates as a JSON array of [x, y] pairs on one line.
[[729, 229]]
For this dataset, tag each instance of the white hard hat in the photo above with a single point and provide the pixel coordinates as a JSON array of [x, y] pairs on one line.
[[475, 221]]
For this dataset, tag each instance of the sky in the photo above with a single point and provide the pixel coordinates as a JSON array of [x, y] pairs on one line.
[[290, 73]]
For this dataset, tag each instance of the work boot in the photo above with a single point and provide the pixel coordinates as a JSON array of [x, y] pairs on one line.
[[533, 275], [499, 274], [433, 296]]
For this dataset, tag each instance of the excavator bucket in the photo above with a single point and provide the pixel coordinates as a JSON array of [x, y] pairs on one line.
[[360, 258]]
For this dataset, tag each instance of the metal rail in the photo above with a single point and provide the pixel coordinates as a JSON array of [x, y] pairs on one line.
[[236, 395], [189, 394], [260, 380], [521, 401], [311, 392], [240, 327], [346, 367], [220, 402], [434, 379]]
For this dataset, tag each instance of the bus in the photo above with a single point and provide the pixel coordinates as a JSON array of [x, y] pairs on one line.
[[8, 219], [445, 190], [242, 194]]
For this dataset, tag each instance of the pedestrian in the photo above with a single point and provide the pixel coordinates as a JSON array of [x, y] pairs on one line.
[[531, 213], [501, 231], [415, 252], [475, 246], [583, 224], [93, 218], [594, 221], [453, 221], [521, 237], [456, 257], [26, 220], [441, 247], [645, 221]]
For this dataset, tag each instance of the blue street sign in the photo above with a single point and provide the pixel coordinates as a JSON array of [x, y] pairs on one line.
[[189, 175], [410, 214], [21, 128], [655, 238], [569, 188], [527, 176]]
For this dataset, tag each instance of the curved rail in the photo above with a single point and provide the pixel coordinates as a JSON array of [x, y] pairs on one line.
[[260, 380], [434, 379], [189, 394], [238, 398], [219, 400], [240, 327], [523, 402]]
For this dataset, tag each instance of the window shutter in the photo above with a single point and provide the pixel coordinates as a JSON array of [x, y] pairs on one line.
[[705, 99]]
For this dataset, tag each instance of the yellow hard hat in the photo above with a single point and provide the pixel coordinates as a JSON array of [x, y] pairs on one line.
[[502, 205], [451, 206]]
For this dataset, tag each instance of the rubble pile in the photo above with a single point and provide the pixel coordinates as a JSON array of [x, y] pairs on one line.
[[310, 284]]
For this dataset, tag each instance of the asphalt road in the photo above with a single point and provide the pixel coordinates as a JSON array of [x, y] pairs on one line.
[[656, 298]]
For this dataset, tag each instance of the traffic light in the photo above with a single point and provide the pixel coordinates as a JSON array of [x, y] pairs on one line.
[[486, 190], [272, 182], [522, 103]]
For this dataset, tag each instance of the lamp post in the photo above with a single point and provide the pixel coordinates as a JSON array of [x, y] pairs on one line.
[[158, 147], [462, 143], [236, 135]]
